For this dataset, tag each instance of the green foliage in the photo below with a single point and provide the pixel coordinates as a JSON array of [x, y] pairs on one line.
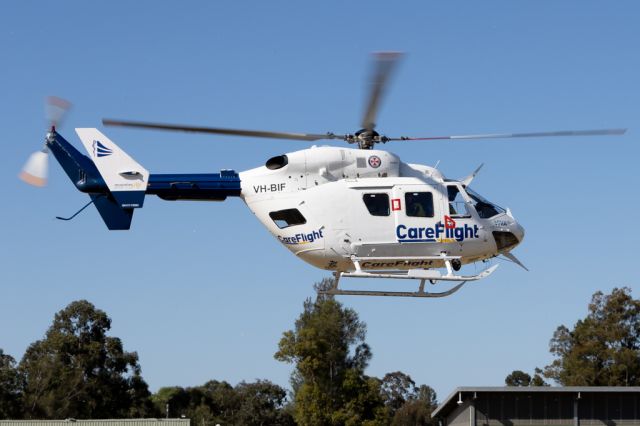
[[518, 378], [397, 388], [537, 379], [10, 388], [417, 409], [78, 371], [258, 403], [261, 403], [328, 349], [604, 348]]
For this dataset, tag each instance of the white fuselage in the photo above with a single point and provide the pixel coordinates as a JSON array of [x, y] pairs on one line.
[[327, 206]]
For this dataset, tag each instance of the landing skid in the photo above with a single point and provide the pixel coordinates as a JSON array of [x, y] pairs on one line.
[[422, 275]]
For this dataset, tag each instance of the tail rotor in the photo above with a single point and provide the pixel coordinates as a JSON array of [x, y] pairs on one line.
[[36, 169], [55, 110]]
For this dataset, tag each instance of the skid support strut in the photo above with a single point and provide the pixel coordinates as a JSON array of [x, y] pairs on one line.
[[334, 290], [421, 275]]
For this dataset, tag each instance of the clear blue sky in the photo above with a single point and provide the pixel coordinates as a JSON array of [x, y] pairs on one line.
[[200, 290]]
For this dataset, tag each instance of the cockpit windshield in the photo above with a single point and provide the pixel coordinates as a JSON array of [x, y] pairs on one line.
[[485, 208]]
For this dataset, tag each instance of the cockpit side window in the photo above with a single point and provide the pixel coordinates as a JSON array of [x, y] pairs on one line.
[[419, 204], [377, 204], [457, 204], [486, 209], [287, 218]]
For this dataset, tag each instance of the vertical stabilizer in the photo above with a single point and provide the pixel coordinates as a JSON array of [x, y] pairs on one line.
[[125, 178]]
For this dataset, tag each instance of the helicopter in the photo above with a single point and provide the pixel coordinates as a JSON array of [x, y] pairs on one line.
[[356, 212]]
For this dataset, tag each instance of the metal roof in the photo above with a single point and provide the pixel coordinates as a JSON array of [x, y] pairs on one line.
[[532, 389]]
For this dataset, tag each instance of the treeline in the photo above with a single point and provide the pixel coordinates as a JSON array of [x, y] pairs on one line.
[[602, 349], [78, 371]]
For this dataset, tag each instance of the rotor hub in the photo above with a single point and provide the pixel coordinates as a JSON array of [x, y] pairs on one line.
[[365, 138]]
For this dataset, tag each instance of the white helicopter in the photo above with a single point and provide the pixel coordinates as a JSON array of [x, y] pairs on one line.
[[360, 213]]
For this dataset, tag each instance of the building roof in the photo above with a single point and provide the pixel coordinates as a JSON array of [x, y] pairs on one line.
[[451, 400]]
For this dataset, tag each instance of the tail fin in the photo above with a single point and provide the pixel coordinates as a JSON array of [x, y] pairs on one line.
[[115, 217], [125, 178], [113, 180]]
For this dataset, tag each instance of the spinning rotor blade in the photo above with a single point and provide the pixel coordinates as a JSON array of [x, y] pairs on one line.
[[595, 132], [367, 137], [222, 131], [55, 109], [384, 65], [35, 170]]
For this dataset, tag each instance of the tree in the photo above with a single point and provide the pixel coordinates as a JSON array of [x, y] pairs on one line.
[[330, 355], [10, 388], [77, 371], [537, 379], [258, 403], [175, 401], [262, 403], [518, 378], [417, 409], [223, 399], [604, 348], [397, 388]]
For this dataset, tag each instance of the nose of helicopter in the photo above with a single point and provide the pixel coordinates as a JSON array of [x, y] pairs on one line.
[[518, 231], [507, 234]]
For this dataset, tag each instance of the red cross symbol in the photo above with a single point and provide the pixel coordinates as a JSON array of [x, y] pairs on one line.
[[375, 161], [449, 223]]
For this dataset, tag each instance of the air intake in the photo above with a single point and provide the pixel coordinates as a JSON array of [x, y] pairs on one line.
[[505, 240]]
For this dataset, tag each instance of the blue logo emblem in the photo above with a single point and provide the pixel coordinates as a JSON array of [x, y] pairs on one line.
[[100, 150]]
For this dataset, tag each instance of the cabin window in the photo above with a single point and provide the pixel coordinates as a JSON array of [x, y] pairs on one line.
[[457, 205], [287, 218], [377, 204], [419, 204]]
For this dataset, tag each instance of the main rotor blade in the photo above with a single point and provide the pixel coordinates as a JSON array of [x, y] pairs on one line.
[[383, 67], [222, 131], [596, 132]]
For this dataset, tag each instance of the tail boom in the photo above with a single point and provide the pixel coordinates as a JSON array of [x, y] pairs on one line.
[[203, 187], [118, 185]]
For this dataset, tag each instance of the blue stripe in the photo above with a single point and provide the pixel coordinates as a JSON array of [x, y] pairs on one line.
[[196, 186]]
